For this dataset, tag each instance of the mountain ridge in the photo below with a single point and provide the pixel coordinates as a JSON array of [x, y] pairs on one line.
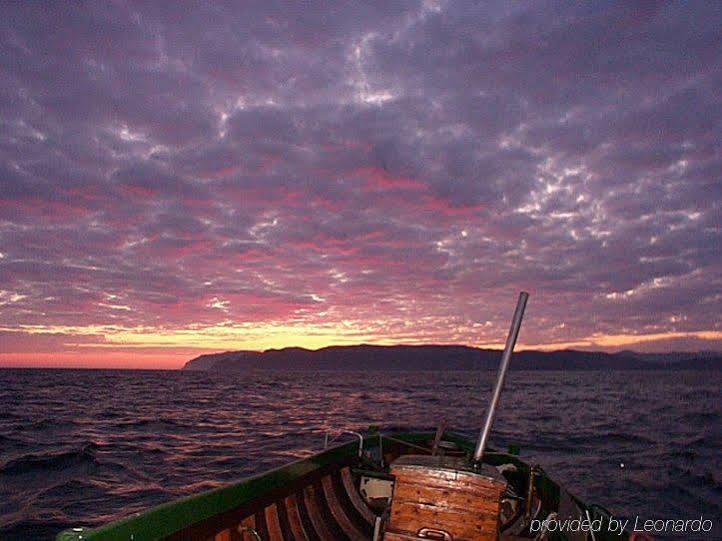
[[444, 357]]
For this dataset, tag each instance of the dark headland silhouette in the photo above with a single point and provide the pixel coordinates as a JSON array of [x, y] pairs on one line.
[[368, 357]]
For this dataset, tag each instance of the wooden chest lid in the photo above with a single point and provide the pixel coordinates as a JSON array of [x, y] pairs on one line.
[[451, 464]]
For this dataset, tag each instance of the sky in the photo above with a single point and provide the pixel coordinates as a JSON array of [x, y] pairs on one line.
[[177, 179]]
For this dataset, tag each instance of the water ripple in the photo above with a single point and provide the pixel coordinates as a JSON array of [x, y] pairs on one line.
[[84, 447]]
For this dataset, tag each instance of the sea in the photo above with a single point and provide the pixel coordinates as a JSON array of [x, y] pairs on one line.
[[84, 447]]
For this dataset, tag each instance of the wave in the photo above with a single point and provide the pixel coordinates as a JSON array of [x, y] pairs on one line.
[[43, 425], [51, 461], [617, 438], [701, 417], [151, 422], [9, 440]]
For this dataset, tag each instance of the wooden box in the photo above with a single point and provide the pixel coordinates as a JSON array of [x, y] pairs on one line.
[[441, 497]]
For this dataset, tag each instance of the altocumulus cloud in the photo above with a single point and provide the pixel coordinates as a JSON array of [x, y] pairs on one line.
[[386, 173]]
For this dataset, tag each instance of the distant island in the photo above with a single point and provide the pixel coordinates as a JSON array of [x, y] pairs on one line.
[[445, 357]]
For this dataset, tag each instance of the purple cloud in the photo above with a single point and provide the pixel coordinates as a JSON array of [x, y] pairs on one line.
[[402, 169]]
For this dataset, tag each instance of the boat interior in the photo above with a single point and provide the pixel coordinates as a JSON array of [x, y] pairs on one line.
[[347, 493]]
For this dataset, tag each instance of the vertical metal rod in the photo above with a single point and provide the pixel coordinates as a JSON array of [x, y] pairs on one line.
[[503, 367]]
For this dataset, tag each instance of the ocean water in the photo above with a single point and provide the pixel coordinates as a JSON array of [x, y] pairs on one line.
[[82, 447]]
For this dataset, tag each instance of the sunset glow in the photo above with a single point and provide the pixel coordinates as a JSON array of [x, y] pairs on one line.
[[183, 180]]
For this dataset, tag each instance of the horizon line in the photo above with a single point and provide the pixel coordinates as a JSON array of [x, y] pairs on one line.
[[530, 348]]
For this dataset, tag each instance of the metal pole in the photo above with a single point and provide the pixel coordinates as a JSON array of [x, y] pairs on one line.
[[503, 367]]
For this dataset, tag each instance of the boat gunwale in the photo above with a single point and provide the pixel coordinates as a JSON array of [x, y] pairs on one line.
[[170, 517], [167, 518]]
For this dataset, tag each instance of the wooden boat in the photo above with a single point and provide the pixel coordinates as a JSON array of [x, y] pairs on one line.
[[337, 495], [390, 486]]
